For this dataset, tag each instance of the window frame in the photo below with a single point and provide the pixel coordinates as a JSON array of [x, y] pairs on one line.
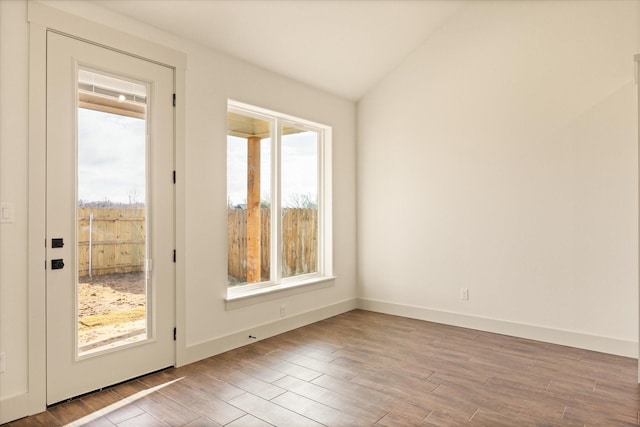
[[324, 271]]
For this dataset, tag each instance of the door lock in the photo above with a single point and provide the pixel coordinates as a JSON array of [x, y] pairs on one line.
[[57, 264]]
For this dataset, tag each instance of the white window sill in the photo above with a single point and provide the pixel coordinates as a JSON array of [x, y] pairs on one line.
[[240, 299]]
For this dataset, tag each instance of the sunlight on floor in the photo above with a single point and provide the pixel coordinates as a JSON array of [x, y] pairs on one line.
[[124, 402]]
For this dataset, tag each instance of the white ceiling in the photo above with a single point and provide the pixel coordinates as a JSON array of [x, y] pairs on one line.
[[343, 47]]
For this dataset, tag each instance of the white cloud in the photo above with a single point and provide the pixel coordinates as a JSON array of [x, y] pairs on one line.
[[111, 157], [299, 167]]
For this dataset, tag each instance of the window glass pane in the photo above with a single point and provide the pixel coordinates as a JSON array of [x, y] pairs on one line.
[[248, 199], [299, 189]]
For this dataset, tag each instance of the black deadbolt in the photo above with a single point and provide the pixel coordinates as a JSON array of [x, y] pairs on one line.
[[57, 243], [57, 264]]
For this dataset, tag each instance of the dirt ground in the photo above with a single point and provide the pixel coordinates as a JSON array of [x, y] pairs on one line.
[[110, 308], [109, 292]]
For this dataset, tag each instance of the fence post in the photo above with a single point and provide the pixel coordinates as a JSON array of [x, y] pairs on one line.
[[90, 240]]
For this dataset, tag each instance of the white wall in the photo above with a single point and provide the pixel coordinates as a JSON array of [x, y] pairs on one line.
[[14, 54], [501, 156], [211, 79]]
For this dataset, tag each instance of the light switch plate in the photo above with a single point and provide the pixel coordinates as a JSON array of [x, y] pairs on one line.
[[6, 213]]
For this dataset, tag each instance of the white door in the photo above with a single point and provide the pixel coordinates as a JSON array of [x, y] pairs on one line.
[[110, 217]]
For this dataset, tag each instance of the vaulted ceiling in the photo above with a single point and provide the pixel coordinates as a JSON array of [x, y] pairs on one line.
[[343, 47]]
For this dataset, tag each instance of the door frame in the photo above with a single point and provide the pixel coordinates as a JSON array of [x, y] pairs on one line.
[[636, 60], [43, 18]]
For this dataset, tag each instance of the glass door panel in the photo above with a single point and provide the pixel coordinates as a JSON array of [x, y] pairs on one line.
[[112, 292]]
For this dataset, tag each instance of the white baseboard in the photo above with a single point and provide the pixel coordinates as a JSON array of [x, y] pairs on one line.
[[13, 408], [521, 330], [219, 345]]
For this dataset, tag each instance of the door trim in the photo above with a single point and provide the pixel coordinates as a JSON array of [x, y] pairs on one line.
[[636, 64], [43, 18]]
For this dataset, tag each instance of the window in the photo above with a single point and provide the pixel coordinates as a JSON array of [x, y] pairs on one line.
[[278, 201]]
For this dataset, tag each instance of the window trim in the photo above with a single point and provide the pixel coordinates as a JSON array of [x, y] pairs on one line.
[[324, 271], [267, 293]]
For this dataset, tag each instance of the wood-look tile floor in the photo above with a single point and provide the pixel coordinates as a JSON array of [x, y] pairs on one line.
[[362, 369]]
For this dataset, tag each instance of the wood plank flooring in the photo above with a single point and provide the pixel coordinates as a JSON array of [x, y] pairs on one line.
[[363, 369]]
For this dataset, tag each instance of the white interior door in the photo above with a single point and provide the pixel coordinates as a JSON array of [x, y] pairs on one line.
[[110, 217]]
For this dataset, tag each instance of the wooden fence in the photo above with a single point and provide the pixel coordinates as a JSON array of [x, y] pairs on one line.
[[299, 243], [115, 238]]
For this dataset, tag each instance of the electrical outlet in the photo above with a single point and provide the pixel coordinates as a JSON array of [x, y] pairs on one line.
[[283, 310], [464, 294], [3, 363]]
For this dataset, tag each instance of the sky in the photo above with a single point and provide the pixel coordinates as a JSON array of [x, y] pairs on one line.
[[111, 157], [111, 162], [299, 168]]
